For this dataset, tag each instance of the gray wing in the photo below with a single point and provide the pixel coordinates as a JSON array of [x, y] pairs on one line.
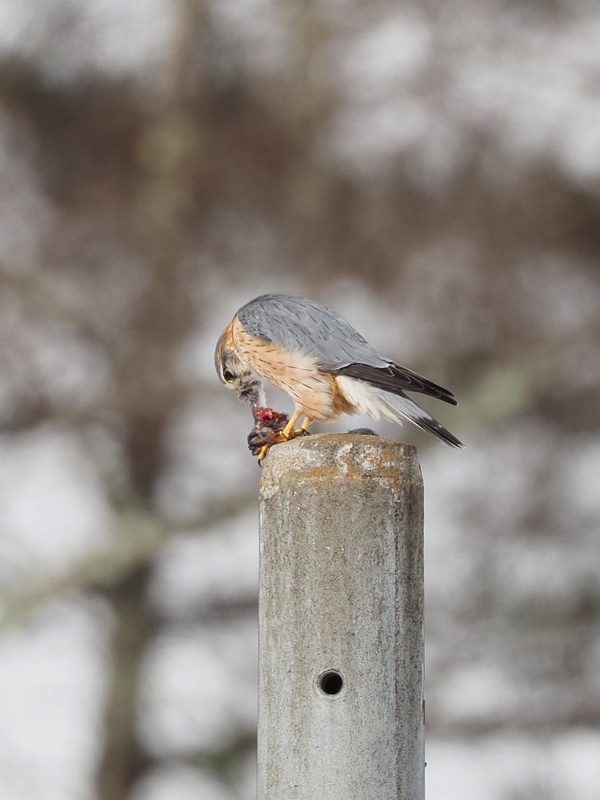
[[301, 325]]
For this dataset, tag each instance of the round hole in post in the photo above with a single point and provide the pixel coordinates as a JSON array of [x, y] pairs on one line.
[[330, 682]]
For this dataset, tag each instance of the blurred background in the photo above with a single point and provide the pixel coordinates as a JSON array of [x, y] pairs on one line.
[[431, 170]]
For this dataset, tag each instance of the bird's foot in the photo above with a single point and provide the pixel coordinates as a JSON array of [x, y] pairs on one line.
[[268, 431], [298, 432], [260, 439]]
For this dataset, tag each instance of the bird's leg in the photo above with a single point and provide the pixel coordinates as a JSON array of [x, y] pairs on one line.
[[304, 427], [286, 433], [299, 431]]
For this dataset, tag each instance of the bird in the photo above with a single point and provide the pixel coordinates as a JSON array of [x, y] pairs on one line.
[[311, 353]]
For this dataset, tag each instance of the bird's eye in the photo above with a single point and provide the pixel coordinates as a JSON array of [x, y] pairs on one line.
[[228, 376]]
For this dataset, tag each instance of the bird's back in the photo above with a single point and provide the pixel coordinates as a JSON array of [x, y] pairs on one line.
[[297, 324]]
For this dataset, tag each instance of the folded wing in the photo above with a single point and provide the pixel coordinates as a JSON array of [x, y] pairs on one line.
[[396, 379]]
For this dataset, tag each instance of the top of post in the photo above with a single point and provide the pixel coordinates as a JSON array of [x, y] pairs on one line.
[[339, 456]]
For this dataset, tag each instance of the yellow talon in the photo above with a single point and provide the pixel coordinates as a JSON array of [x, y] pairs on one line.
[[286, 434], [287, 431]]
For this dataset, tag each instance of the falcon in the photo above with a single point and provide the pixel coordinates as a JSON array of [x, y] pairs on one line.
[[328, 369]]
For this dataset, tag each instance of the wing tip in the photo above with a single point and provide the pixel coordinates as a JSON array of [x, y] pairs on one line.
[[422, 384]]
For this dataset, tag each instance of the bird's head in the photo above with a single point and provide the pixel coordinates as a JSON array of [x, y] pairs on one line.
[[231, 369]]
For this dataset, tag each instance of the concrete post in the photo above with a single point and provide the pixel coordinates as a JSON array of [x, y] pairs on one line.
[[341, 621]]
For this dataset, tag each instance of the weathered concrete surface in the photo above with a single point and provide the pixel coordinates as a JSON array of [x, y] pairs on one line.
[[341, 588]]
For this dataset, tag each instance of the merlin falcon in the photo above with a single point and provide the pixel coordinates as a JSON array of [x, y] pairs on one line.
[[328, 369]]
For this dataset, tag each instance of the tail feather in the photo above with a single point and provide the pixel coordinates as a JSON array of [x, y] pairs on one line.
[[377, 403]]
